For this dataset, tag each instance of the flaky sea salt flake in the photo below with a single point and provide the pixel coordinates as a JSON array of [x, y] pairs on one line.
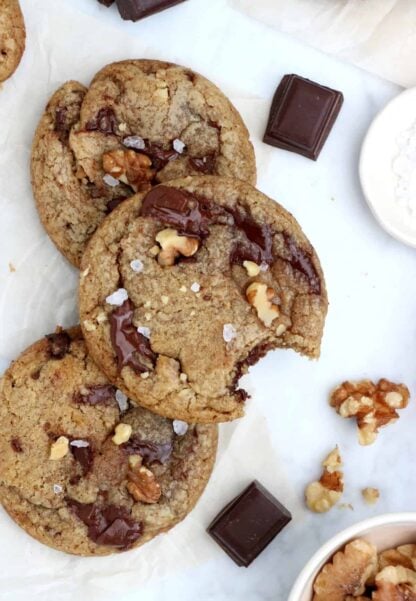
[[137, 265], [110, 180], [179, 427], [135, 142], [118, 297], [144, 330], [79, 444], [122, 400], [229, 332], [178, 145]]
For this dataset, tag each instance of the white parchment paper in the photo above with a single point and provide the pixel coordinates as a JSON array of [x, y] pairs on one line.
[[38, 288], [377, 35]]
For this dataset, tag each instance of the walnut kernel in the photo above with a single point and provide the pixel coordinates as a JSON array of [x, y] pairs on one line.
[[173, 245], [260, 297], [323, 494], [131, 168], [59, 448], [142, 484]]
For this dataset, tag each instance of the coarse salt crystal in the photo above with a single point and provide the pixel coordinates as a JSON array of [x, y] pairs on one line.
[[118, 297], [178, 145], [195, 287], [144, 331], [110, 180], [80, 444], [57, 489], [180, 428], [122, 400], [264, 266], [137, 265], [229, 332], [135, 142]]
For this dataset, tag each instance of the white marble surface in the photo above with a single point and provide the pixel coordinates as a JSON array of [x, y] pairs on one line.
[[370, 330]]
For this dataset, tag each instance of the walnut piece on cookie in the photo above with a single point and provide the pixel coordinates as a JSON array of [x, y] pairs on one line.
[[323, 494], [373, 405], [348, 573], [12, 37]]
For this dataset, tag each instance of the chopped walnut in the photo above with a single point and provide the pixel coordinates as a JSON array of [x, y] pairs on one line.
[[373, 405], [348, 573], [142, 484], [322, 495], [59, 448], [370, 495], [173, 245], [395, 583], [122, 434], [131, 168], [252, 268], [260, 296], [404, 556]]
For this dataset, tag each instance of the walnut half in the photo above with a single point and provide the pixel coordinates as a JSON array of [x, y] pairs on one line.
[[323, 494], [373, 405], [131, 168], [142, 484]]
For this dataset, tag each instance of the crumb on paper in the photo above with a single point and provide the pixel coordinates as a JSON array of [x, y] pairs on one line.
[[346, 506], [371, 495], [12, 268]]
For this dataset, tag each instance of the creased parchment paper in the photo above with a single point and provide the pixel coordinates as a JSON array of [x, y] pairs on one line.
[[377, 35], [38, 288]]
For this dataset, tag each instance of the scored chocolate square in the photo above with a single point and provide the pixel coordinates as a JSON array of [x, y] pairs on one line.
[[302, 115], [133, 10], [245, 527]]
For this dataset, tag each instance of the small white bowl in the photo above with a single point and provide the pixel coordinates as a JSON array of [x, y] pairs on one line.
[[385, 531], [377, 177]]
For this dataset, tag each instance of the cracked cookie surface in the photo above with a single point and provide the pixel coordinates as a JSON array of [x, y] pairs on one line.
[[66, 475], [12, 37], [140, 123], [184, 287]]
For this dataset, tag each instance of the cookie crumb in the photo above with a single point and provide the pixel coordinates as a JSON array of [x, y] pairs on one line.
[[182, 289], [229, 332], [101, 317], [144, 375], [137, 265], [164, 299], [371, 495], [118, 297], [12, 268], [179, 427], [89, 325], [59, 448], [122, 400], [346, 506], [122, 434], [183, 377], [145, 331], [85, 272], [148, 316], [195, 287]]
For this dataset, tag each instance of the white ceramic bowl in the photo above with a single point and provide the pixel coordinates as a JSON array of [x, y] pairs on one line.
[[385, 531], [377, 178]]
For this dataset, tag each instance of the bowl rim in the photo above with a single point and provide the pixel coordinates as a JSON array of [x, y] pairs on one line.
[[384, 223], [339, 539]]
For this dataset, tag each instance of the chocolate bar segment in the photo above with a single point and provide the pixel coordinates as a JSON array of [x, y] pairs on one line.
[[245, 527], [302, 115], [133, 10]]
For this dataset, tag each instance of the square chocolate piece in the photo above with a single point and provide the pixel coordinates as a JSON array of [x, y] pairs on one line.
[[302, 115], [245, 527], [133, 10]]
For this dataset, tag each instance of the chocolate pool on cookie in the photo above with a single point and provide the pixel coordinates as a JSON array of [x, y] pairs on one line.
[[81, 470], [139, 123], [187, 285]]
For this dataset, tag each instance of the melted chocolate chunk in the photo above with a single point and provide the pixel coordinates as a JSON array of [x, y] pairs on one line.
[[61, 126], [84, 456], [105, 121], [58, 344], [159, 156], [204, 164], [114, 203], [108, 525], [258, 243], [184, 211], [16, 445], [302, 261], [106, 2], [103, 394], [132, 348], [151, 452]]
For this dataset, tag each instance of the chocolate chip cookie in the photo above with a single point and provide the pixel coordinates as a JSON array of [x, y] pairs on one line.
[[12, 37], [183, 287], [80, 469], [140, 123]]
